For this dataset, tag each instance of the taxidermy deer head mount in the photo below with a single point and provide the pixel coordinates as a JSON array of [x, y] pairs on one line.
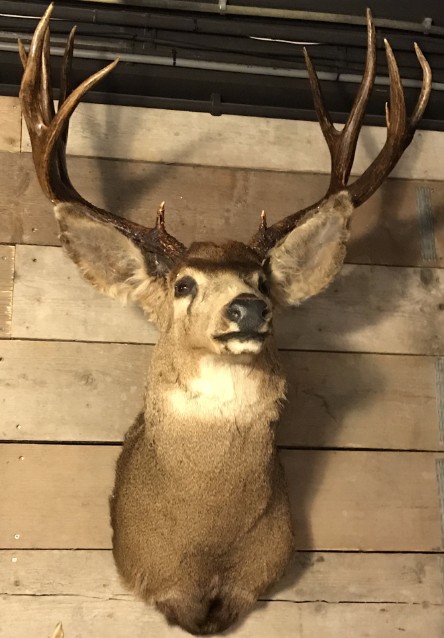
[[200, 547]]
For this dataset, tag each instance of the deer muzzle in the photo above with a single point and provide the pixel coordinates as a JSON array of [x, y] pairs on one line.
[[249, 313]]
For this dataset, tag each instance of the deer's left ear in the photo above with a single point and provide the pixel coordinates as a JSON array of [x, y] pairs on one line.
[[110, 261], [310, 256]]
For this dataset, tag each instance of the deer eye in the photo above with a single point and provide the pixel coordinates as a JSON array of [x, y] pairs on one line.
[[185, 286], [264, 286]]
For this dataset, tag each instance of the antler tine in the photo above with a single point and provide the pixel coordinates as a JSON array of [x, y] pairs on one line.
[[65, 74], [397, 113], [30, 86], [342, 144], [47, 102], [400, 129], [324, 119], [65, 90], [350, 133], [426, 88]]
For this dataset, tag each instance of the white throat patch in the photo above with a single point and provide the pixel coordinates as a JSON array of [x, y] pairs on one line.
[[221, 389]]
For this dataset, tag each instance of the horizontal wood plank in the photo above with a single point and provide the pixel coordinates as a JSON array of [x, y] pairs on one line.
[[93, 392], [7, 254], [371, 309], [10, 124], [350, 400], [181, 137], [311, 577], [84, 617], [367, 309], [51, 301], [56, 496], [74, 391], [385, 231]]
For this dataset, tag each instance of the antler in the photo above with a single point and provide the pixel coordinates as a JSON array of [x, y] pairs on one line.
[[342, 144], [49, 130]]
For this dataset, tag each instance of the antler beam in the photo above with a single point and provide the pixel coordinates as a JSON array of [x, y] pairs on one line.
[[48, 132], [342, 144]]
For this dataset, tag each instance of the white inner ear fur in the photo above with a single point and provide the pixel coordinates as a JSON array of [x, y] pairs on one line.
[[307, 259]]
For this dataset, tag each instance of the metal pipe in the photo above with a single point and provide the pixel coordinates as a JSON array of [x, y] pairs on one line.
[[283, 14], [207, 65]]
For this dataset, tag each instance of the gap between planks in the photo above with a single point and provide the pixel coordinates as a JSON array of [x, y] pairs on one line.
[[364, 501], [310, 577], [7, 258], [101, 130], [387, 230], [83, 617], [376, 308], [84, 385]]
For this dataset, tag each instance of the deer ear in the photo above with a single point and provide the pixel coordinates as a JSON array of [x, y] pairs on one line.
[[311, 255], [110, 261]]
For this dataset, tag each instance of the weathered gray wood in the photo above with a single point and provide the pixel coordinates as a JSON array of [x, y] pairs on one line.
[[101, 130], [6, 286], [10, 124], [56, 496], [384, 231], [362, 577], [367, 309], [312, 576], [93, 392], [354, 400], [371, 309], [51, 301], [364, 500], [86, 617], [74, 391]]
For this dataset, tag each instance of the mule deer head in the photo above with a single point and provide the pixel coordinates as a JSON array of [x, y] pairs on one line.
[[199, 511]]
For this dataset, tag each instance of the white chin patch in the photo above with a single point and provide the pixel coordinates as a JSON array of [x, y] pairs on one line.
[[252, 346]]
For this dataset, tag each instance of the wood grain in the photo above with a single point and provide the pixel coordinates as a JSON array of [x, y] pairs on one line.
[[180, 137], [312, 576], [74, 391], [53, 302], [10, 124], [7, 254], [371, 309], [360, 401], [93, 392], [384, 231], [56, 496], [367, 309], [85, 617]]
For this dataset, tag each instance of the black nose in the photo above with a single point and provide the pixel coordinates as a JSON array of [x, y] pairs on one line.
[[248, 312]]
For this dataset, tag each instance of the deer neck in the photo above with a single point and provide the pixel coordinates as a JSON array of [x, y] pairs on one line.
[[203, 407]]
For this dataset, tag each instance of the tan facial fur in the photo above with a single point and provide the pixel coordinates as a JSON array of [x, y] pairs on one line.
[[199, 319]]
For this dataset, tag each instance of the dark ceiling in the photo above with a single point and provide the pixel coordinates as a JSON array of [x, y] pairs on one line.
[[240, 57]]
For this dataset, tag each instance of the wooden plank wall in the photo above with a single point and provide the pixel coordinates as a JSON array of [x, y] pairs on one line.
[[363, 431]]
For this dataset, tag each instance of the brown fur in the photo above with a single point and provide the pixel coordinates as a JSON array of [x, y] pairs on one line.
[[200, 515]]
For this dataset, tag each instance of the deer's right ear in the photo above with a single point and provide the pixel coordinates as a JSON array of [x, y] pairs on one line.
[[110, 261]]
